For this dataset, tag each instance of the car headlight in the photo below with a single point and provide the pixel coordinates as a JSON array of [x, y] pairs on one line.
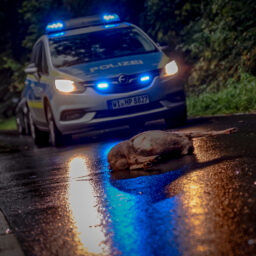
[[171, 68], [68, 86]]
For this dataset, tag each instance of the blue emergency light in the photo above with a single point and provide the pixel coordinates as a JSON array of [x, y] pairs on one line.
[[55, 26], [88, 21], [103, 85], [110, 18], [145, 78]]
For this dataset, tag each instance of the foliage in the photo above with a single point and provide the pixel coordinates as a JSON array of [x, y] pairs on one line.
[[164, 20], [217, 38], [49, 10], [221, 44], [11, 61], [8, 124], [237, 96]]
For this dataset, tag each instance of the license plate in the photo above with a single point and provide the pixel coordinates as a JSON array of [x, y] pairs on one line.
[[128, 102]]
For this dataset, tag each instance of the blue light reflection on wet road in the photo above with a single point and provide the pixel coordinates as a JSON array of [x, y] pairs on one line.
[[66, 202], [140, 212]]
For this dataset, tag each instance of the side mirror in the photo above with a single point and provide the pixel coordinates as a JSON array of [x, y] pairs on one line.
[[162, 47], [31, 69]]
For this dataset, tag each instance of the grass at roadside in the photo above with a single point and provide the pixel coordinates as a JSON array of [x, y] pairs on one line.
[[238, 96], [8, 124]]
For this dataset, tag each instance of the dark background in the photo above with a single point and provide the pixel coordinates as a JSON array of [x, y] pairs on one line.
[[214, 40]]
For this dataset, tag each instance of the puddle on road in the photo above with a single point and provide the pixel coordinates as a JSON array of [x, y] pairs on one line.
[[8, 149], [83, 204], [122, 213], [195, 205], [149, 213]]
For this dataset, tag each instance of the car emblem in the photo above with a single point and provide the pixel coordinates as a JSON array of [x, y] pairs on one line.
[[123, 79]]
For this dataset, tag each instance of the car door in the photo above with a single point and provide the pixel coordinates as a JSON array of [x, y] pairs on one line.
[[38, 84], [31, 82], [42, 88]]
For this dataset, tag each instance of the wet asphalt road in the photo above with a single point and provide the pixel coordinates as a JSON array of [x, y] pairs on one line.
[[65, 201]]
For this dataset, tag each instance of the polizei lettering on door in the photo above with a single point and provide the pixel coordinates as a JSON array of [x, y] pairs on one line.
[[116, 65]]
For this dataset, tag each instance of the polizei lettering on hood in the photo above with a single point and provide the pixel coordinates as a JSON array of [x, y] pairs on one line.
[[118, 64]]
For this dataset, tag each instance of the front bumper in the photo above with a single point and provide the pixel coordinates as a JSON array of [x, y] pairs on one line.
[[166, 95]]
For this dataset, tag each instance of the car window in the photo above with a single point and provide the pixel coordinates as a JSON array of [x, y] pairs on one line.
[[39, 58], [44, 65], [35, 54], [99, 45]]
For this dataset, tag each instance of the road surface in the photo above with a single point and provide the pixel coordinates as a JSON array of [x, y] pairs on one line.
[[65, 201]]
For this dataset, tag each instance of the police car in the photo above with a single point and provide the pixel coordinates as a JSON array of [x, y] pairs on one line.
[[98, 72]]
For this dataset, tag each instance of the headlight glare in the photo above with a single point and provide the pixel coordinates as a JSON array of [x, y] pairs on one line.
[[171, 68], [68, 86], [65, 85]]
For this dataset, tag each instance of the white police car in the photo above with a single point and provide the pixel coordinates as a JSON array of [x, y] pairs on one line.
[[98, 72]]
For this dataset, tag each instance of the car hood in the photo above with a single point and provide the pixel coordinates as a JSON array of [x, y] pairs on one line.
[[116, 66]]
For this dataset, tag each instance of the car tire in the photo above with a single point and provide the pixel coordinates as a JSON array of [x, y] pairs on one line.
[[56, 138], [40, 137], [27, 125], [20, 128], [179, 120]]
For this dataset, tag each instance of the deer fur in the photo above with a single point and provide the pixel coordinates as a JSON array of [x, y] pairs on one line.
[[150, 147]]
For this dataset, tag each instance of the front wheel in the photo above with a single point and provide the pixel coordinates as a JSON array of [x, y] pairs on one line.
[[20, 128], [40, 138], [26, 123], [56, 138]]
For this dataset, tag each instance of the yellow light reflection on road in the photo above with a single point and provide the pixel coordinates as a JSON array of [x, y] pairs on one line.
[[203, 211], [194, 211], [83, 205]]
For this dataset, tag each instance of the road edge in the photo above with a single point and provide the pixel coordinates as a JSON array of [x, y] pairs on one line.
[[9, 244]]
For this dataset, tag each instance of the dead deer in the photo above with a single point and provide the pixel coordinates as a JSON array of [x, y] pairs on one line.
[[150, 147]]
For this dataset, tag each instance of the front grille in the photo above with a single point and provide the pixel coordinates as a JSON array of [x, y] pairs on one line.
[[131, 83], [128, 111]]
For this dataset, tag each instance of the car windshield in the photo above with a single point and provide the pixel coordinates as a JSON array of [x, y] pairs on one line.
[[100, 45]]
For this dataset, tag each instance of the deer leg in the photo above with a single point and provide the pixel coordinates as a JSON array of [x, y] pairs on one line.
[[143, 162], [196, 134]]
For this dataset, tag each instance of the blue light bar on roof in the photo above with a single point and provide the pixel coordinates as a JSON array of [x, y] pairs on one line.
[[59, 26], [110, 17], [55, 26]]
